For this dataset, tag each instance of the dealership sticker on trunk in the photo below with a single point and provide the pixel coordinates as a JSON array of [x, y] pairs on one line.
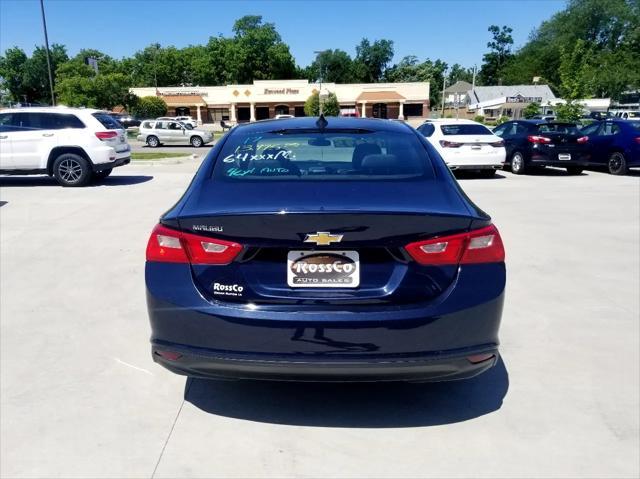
[[323, 269]]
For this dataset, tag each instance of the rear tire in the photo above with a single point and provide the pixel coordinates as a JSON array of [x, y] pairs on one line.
[[153, 141], [518, 166], [617, 164], [101, 175], [574, 170], [70, 169], [196, 141]]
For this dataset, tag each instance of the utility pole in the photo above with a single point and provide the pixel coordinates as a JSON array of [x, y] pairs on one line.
[[46, 42], [444, 85]]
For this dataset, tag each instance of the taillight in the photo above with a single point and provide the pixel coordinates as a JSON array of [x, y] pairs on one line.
[[106, 135], [538, 139], [171, 246], [450, 144], [483, 245], [583, 139], [637, 140], [497, 144]]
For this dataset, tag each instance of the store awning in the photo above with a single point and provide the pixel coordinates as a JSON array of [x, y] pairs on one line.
[[184, 100], [380, 96]]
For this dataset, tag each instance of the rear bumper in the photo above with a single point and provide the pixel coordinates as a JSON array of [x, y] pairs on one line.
[[199, 364], [545, 156], [107, 166], [426, 341]]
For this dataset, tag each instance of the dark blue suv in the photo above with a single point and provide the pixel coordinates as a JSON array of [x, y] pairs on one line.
[[327, 250], [614, 144]]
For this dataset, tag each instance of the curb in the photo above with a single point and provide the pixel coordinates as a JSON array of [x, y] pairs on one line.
[[168, 161]]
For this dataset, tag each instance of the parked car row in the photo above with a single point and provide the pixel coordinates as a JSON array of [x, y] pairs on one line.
[[525, 144]]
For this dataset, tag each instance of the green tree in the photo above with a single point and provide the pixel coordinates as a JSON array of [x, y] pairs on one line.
[[571, 111], [330, 106], [409, 69], [260, 52], [494, 61], [12, 72], [531, 110], [337, 67], [372, 60], [459, 73], [149, 107], [610, 31], [27, 78]]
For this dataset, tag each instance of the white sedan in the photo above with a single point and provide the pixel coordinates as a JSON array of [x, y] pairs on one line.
[[465, 144]]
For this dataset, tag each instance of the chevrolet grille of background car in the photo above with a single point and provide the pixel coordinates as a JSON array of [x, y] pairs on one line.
[[323, 238]]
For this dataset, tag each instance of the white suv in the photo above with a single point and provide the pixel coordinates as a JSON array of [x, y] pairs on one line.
[[74, 145]]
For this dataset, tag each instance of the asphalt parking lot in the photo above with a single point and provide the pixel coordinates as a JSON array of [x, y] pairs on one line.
[[80, 396]]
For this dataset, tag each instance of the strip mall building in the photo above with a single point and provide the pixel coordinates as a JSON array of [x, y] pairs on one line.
[[267, 98]]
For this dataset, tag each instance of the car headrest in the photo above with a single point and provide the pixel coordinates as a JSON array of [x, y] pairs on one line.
[[380, 164], [362, 150]]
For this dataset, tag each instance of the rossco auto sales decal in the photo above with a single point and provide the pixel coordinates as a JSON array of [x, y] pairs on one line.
[[228, 289]]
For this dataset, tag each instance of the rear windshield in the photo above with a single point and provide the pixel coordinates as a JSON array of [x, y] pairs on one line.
[[465, 130], [316, 155], [568, 128], [107, 121]]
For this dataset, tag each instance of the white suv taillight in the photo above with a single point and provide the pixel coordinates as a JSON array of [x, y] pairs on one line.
[[106, 135]]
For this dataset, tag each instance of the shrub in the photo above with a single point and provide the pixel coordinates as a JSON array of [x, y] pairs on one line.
[[531, 110], [502, 119], [570, 111], [149, 107], [479, 118], [330, 107]]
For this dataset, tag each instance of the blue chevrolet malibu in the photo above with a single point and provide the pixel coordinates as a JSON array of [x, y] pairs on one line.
[[337, 249]]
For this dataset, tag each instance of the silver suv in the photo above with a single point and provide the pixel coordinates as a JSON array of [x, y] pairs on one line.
[[156, 132]]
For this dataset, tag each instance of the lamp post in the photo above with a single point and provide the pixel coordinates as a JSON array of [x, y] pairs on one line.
[[46, 42], [318, 53]]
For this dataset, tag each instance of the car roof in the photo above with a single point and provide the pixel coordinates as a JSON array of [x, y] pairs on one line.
[[303, 123], [52, 109], [452, 120]]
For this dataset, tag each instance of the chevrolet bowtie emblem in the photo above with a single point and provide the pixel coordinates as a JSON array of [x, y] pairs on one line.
[[323, 238]]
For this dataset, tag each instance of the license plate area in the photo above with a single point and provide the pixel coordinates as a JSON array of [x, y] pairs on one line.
[[564, 156], [323, 269]]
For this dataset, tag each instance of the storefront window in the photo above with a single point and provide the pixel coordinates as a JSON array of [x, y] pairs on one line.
[[218, 114]]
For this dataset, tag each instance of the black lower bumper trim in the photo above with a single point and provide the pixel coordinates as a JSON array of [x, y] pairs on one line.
[[445, 369], [107, 166]]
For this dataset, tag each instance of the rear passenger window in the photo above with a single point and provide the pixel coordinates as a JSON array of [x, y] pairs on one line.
[[108, 122], [427, 130], [54, 121], [147, 124], [610, 129]]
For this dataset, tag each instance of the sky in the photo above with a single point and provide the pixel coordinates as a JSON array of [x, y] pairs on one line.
[[452, 30]]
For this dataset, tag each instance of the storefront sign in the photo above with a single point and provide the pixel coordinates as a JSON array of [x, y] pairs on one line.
[[524, 99], [184, 93], [281, 91]]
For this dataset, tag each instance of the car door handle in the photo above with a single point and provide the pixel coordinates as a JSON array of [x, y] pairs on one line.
[[47, 134], [3, 137]]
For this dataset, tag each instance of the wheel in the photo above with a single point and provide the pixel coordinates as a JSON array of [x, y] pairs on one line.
[[574, 170], [101, 175], [617, 164], [487, 173], [517, 163], [196, 141], [70, 169], [153, 141]]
